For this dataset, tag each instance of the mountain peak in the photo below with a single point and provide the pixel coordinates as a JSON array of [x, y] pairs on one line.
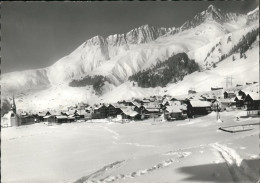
[[94, 41], [211, 8]]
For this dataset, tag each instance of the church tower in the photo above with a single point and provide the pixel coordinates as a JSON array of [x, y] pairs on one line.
[[14, 120], [13, 107]]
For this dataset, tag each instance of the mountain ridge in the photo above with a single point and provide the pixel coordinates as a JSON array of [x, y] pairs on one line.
[[119, 56]]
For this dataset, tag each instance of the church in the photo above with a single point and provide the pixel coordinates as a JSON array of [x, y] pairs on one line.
[[10, 119]]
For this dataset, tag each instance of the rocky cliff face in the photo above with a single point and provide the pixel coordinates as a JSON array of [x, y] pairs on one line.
[[253, 16], [212, 13]]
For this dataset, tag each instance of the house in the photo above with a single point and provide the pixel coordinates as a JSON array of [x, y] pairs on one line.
[[71, 118], [40, 116], [241, 93], [252, 101], [239, 101], [113, 110], [145, 101], [173, 113], [49, 118], [152, 109], [229, 94], [129, 113], [100, 112], [82, 114], [197, 107], [25, 118], [61, 119], [208, 97], [181, 99], [226, 103]]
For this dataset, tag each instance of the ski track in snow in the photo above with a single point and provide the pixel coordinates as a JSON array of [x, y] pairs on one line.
[[99, 172], [239, 169], [116, 137], [162, 164], [115, 134]]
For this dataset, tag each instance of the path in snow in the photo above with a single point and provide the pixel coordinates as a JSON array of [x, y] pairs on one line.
[[238, 168], [163, 164]]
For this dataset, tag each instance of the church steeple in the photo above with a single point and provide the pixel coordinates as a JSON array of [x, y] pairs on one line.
[[13, 108]]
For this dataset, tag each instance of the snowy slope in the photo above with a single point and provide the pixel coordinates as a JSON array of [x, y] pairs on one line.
[[54, 98], [200, 81], [121, 55]]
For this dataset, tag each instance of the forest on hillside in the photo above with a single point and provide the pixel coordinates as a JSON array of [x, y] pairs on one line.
[[171, 70], [97, 82], [243, 45]]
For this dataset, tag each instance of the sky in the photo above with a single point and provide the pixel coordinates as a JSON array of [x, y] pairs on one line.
[[37, 34]]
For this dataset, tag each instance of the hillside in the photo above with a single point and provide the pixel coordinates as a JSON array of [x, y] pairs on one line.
[[170, 71], [209, 39]]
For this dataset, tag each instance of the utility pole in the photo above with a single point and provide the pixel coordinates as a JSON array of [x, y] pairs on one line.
[[218, 115], [229, 81]]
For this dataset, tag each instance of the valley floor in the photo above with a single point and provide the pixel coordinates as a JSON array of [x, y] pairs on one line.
[[146, 151]]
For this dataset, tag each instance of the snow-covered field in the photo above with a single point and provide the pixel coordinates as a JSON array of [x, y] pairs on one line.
[[145, 151]]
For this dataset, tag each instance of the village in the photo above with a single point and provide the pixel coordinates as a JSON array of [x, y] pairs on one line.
[[156, 108]]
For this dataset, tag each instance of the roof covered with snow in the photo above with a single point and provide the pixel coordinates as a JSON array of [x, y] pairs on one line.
[[173, 109], [198, 103], [254, 96], [128, 111]]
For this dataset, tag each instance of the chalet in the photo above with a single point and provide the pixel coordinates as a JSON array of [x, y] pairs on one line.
[[196, 98], [252, 101], [173, 113], [239, 101], [26, 119], [226, 103], [197, 107], [207, 97], [71, 118], [40, 116], [49, 118], [145, 101], [152, 109], [100, 112], [82, 114], [129, 113], [241, 93], [61, 119], [181, 99], [113, 110], [136, 104], [229, 94]]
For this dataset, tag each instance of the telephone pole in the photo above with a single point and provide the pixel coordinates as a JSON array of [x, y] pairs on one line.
[[229, 81]]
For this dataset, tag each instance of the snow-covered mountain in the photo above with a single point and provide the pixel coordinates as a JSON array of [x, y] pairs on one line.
[[121, 55]]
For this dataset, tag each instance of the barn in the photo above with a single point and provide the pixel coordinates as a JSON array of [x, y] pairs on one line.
[[252, 101], [197, 108]]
